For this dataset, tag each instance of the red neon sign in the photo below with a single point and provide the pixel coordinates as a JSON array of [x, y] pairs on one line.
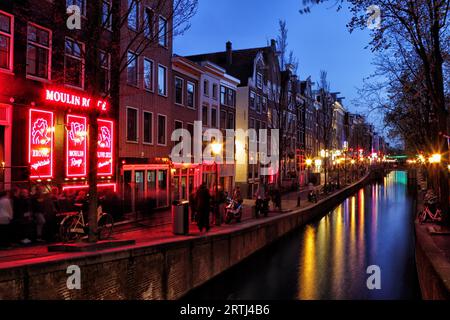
[[40, 144], [105, 147], [76, 137], [113, 186], [74, 100]]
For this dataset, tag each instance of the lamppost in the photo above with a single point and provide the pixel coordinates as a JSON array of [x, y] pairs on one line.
[[308, 165], [217, 150], [338, 163]]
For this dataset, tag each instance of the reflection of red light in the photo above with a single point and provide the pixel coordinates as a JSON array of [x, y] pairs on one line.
[[40, 143], [76, 152]]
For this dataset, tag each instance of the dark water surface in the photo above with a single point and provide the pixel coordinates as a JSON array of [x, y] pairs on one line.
[[328, 259]]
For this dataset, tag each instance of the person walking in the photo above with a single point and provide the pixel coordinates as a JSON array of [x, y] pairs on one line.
[[6, 216], [37, 205], [203, 199], [193, 206]]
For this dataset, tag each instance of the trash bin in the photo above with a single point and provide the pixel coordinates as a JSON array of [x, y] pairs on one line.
[[180, 217]]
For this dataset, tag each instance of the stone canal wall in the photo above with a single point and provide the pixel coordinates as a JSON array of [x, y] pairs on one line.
[[163, 271]]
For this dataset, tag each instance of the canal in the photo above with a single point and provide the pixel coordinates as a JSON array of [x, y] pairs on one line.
[[328, 259]]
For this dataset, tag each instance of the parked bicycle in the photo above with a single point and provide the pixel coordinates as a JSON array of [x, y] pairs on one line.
[[430, 211], [73, 226]]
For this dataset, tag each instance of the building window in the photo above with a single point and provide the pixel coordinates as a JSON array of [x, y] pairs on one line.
[[214, 117], [162, 80], [258, 103], [162, 121], [230, 123], [259, 80], [162, 31], [264, 104], [227, 96], [106, 14], [206, 88], [133, 15], [252, 100], [148, 31], [148, 74], [231, 97], [105, 71], [205, 116], [223, 119], [132, 69], [214, 91], [179, 83], [38, 52], [178, 125], [73, 63], [148, 127], [79, 3], [190, 95], [132, 124], [223, 95], [6, 41]]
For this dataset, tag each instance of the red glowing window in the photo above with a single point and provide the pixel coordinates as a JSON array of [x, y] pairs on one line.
[[76, 141], [105, 147], [40, 144]]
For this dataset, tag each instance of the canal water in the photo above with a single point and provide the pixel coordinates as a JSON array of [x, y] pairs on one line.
[[328, 259]]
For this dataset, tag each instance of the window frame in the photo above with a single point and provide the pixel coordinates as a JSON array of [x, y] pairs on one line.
[[10, 68], [137, 69], [193, 94], [166, 79], [81, 59], [205, 124], [259, 76], [166, 40], [214, 119], [165, 133], [206, 88], [144, 112], [252, 106], [152, 84], [182, 91], [150, 23], [137, 125], [137, 15], [214, 91], [108, 55], [107, 26], [49, 48]]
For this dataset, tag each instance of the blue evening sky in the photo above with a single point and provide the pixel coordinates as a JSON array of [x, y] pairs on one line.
[[320, 39]]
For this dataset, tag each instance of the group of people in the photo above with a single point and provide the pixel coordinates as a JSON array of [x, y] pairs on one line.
[[203, 202], [31, 215]]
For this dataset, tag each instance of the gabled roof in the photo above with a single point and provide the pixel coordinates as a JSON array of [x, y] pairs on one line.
[[242, 61]]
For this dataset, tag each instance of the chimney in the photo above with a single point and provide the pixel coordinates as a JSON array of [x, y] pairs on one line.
[[229, 53], [273, 44]]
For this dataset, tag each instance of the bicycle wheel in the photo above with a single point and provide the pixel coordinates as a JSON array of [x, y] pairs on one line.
[[105, 226], [66, 229]]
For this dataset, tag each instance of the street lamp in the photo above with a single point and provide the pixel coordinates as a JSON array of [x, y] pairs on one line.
[[435, 158], [216, 148]]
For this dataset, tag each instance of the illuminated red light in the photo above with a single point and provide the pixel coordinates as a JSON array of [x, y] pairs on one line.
[[40, 143], [76, 142], [101, 185], [75, 100], [105, 149]]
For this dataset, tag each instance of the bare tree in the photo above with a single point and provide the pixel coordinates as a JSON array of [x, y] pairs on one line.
[[177, 13], [421, 26]]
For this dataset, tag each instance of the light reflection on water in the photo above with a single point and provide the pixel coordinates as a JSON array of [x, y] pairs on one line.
[[328, 259]]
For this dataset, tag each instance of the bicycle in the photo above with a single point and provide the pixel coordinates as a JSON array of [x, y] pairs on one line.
[[73, 225], [426, 213]]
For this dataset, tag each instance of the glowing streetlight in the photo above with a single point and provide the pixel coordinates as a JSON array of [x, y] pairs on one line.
[[435, 158], [216, 148], [309, 162]]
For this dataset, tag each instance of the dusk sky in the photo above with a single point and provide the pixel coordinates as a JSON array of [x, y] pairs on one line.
[[320, 40]]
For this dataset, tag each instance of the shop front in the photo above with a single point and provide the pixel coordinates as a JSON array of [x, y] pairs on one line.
[[58, 141], [186, 179], [145, 186]]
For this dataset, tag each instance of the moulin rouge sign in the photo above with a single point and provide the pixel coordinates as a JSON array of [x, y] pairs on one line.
[[42, 131], [74, 100]]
